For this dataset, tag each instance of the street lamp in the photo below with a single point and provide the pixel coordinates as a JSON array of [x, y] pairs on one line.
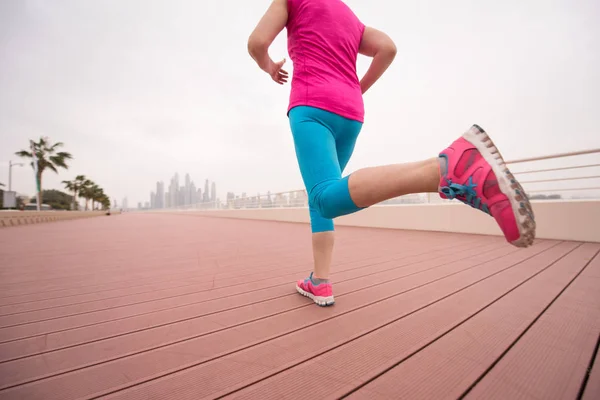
[[10, 165]]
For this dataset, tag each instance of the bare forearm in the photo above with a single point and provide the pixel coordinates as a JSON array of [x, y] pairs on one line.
[[260, 54], [381, 62], [269, 26]]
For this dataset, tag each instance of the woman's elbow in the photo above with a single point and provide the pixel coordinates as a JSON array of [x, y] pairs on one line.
[[255, 45], [390, 49]]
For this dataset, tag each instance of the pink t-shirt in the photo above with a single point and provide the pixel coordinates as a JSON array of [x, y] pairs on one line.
[[323, 41]]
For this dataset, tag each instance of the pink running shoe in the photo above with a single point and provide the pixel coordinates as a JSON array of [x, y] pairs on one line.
[[321, 294], [477, 175]]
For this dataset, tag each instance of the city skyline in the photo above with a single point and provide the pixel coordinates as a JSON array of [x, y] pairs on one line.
[[180, 195]]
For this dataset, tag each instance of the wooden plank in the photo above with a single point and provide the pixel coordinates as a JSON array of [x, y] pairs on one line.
[[297, 346], [206, 282], [49, 363], [38, 292], [551, 359], [384, 299], [365, 358], [449, 366], [228, 301], [592, 388], [348, 271], [371, 253]]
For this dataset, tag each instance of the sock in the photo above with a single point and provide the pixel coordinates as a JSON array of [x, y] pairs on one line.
[[443, 166], [317, 281]]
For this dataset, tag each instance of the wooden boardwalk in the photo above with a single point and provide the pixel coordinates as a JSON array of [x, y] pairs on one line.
[[155, 306]]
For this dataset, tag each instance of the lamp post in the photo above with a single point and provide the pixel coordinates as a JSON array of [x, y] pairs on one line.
[[10, 165]]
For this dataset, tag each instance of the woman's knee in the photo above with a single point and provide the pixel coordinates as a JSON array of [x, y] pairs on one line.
[[324, 202], [332, 198]]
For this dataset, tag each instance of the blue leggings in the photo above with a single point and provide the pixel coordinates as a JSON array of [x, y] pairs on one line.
[[324, 142]]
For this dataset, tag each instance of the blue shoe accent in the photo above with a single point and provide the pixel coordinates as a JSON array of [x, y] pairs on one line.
[[309, 279], [452, 190]]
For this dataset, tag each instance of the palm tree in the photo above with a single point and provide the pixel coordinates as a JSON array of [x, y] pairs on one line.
[[104, 201], [75, 186], [70, 185], [48, 157], [96, 194], [85, 191]]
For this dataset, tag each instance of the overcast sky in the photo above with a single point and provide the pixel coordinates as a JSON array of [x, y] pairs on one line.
[[140, 89]]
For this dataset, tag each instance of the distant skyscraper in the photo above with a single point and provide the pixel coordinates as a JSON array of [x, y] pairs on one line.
[[152, 200], [199, 196], [187, 190], [174, 190], [213, 192], [206, 198], [181, 196], [124, 204], [192, 193], [160, 195]]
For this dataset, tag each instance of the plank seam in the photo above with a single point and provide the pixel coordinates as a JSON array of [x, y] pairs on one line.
[[199, 291], [407, 315], [237, 294], [589, 370], [48, 376], [513, 344], [237, 307], [177, 370], [191, 270]]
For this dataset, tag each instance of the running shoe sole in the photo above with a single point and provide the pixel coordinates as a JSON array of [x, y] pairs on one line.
[[508, 185], [320, 301]]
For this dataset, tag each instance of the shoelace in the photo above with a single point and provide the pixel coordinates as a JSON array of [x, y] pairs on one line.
[[468, 191]]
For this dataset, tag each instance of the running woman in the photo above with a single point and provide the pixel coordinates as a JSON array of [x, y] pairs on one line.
[[326, 114]]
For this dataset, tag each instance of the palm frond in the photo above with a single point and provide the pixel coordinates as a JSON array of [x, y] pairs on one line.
[[70, 185], [64, 155], [24, 154], [58, 161]]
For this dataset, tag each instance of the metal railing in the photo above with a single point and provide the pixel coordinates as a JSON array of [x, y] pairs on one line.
[[549, 181], [579, 178]]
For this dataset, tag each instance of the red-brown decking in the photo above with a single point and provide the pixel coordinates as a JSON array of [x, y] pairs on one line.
[[153, 306]]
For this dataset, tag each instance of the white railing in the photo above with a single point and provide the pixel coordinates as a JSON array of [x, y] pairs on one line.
[[576, 175], [579, 177]]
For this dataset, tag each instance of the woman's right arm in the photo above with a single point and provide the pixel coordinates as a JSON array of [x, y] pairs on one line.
[[380, 46]]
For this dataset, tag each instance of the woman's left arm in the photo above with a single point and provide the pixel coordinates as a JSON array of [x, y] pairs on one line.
[[269, 26]]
